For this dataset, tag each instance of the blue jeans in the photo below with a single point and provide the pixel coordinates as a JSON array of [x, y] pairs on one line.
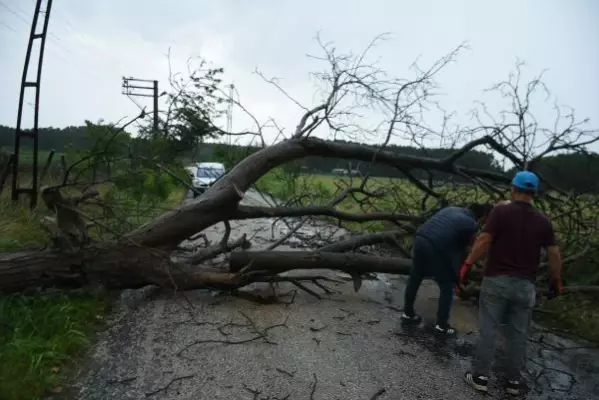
[[510, 300], [427, 262]]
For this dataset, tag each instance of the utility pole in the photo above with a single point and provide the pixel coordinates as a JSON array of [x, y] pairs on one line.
[[19, 133], [136, 90], [230, 112], [155, 106]]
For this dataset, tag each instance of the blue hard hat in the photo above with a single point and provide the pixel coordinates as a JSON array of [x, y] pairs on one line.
[[526, 180]]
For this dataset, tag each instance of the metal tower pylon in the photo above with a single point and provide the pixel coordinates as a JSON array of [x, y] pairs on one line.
[[33, 134]]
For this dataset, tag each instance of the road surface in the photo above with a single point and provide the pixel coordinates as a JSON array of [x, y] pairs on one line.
[[207, 345]]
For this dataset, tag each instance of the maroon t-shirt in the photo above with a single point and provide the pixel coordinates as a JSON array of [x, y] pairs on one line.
[[519, 232]]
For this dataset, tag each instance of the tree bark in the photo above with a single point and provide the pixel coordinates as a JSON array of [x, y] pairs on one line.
[[120, 267], [116, 266], [220, 202], [275, 262]]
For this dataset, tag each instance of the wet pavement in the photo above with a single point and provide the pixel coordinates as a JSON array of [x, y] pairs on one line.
[[210, 345]]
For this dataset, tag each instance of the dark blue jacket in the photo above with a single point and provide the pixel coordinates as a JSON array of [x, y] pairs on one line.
[[449, 231]]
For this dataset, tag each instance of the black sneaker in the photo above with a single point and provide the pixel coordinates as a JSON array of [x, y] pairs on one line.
[[411, 319], [513, 388], [448, 330], [479, 383]]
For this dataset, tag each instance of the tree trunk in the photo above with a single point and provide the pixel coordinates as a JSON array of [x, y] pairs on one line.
[[275, 262], [116, 266], [120, 266], [220, 202]]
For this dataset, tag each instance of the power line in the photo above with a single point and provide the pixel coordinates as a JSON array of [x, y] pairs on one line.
[[8, 26], [57, 41], [55, 54], [80, 37], [13, 12]]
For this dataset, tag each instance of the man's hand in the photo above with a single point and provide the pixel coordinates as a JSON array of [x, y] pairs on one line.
[[466, 266], [555, 288], [555, 272]]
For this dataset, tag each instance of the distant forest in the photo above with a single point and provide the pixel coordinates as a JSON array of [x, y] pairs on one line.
[[569, 171]]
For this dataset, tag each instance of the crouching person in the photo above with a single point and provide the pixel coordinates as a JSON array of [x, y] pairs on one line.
[[438, 251]]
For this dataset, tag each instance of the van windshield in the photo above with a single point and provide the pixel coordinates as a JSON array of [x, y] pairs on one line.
[[213, 173]]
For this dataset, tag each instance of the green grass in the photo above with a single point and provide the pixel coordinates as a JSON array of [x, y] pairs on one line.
[[42, 337], [39, 336], [575, 314], [19, 227], [26, 156]]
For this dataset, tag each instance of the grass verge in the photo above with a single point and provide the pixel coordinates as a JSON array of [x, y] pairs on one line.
[[39, 337], [42, 336], [573, 314]]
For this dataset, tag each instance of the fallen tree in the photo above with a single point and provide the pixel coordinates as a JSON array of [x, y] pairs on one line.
[[151, 253]]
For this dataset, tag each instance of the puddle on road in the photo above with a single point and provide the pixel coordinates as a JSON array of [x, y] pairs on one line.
[[568, 373]]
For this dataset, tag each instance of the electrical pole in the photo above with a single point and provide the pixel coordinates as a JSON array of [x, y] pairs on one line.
[[230, 113], [19, 133], [155, 106], [134, 90]]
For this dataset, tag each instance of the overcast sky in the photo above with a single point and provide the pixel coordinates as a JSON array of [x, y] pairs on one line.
[[92, 44]]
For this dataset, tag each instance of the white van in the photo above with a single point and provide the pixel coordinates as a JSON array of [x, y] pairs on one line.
[[206, 174]]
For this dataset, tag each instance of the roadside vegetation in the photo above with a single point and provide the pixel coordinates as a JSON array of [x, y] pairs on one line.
[[44, 333], [577, 314]]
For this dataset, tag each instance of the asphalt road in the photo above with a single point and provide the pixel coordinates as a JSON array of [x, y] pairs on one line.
[[206, 345]]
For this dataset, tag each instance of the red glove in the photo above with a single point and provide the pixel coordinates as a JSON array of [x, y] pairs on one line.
[[462, 274], [466, 266]]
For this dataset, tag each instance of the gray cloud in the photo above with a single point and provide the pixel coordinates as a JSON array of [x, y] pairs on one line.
[[93, 44]]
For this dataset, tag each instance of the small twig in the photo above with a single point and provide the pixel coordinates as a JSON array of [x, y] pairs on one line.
[[378, 393], [290, 374], [255, 392], [313, 293], [313, 329], [290, 302], [169, 384], [405, 353], [124, 380], [323, 287], [313, 387], [231, 342]]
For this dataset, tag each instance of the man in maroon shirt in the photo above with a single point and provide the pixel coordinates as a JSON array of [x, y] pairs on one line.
[[513, 237]]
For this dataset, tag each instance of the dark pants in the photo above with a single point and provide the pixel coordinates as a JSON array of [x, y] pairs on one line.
[[428, 262], [504, 298]]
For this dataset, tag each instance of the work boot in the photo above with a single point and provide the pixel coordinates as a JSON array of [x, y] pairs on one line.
[[479, 383], [447, 331], [513, 387], [411, 319]]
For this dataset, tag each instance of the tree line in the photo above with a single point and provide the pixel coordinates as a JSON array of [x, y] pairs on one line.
[[573, 172]]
